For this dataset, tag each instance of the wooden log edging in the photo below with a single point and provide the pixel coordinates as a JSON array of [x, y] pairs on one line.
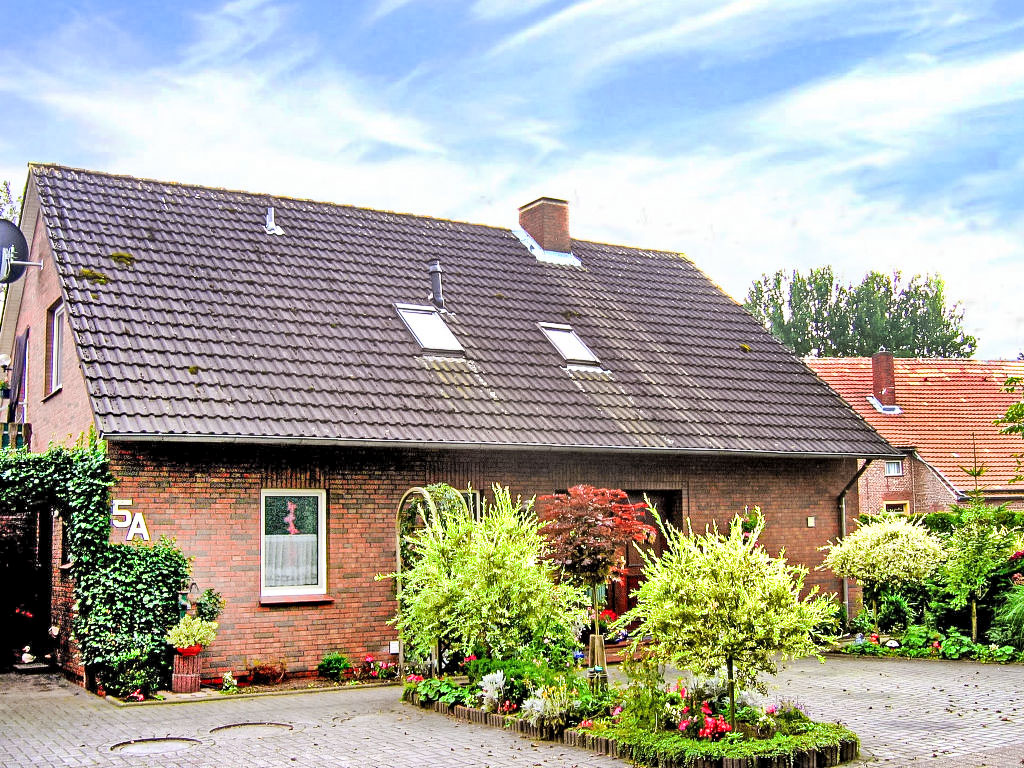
[[821, 757]]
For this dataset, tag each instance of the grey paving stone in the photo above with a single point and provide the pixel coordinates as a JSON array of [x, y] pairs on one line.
[[908, 713]]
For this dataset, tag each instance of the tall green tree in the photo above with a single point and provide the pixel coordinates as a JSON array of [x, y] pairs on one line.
[[816, 315]]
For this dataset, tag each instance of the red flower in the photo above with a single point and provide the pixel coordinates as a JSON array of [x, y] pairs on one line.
[[705, 708]]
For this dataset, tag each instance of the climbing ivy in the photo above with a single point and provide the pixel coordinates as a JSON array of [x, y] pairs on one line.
[[125, 594]]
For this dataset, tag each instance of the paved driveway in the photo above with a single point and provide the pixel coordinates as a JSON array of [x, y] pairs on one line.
[[908, 713]]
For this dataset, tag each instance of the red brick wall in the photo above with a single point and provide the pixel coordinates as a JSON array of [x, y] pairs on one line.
[[208, 498], [63, 415]]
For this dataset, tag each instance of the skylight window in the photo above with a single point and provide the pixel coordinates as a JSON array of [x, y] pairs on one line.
[[429, 329], [568, 344]]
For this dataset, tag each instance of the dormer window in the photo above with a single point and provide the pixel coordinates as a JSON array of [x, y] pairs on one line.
[[568, 344], [429, 329]]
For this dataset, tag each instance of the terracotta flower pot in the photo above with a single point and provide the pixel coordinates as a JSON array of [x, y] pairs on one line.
[[192, 650]]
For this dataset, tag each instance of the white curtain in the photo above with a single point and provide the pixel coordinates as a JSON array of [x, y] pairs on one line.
[[290, 561]]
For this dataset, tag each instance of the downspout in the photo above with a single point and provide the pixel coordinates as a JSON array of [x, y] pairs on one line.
[[842, 524]]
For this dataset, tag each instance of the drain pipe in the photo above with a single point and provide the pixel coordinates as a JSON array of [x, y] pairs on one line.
[[841, 503]]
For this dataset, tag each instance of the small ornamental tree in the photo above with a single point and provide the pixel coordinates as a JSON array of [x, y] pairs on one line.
[[886, 552], [483, 584], [588, 530], [977, 549], [716, 601]]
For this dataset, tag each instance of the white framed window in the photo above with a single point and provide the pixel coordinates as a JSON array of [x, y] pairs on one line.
[[894, 468], [55, 342], [429, 328], [293, 542], [569, 345]]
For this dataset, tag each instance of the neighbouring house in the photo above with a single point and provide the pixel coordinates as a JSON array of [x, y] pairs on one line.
[[273, 374], [941, 414]]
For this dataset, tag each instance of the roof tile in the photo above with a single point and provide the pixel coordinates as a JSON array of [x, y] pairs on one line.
[[218, 329]]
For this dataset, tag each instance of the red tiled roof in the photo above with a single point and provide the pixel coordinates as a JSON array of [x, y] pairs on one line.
[[948, 410]]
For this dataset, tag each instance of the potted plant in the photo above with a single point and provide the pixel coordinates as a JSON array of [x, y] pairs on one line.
[[190, 635]]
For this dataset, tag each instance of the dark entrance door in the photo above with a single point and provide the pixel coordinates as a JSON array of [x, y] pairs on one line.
[[25, 570], [620, 590]]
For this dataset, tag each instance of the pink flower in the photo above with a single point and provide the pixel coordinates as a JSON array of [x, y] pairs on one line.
[[684, 724], [470, 658], [414, 679], [705, 708], [368, 659], [586, 724], [771, 710]]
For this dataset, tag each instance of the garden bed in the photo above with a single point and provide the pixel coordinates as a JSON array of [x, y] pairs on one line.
[[820, 747]]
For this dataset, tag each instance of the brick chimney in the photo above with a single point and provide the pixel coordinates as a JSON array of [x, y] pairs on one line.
[[546, 220], [883, 377]]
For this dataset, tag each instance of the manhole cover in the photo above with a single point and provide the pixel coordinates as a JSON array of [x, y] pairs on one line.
[[251, 730], [153, 746]]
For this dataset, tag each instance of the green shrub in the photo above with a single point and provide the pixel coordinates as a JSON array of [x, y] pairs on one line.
[[862, 623], [333, 666], [444, 690], [210, 605], [644, 700], [1008, 623], [919, 637], [956, 645], [894, 612], [999, 654], [522, 676], [133, 665]]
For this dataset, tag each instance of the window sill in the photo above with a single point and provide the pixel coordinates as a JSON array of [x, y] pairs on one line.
[[55, 392], [294, 599]]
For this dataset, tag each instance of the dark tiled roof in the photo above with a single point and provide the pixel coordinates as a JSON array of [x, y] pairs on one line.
[[218, 329]]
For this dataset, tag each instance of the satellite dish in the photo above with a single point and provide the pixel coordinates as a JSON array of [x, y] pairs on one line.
[[13, 252]]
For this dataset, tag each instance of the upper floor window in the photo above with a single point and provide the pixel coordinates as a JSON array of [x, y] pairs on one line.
[[429, 328], [568, 344], [55, 348], [893, 468]]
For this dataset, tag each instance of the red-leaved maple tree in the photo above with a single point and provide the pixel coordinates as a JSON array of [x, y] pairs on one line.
[[588, 530]]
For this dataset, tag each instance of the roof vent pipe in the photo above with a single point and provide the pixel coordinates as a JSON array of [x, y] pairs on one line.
[[436, 293]]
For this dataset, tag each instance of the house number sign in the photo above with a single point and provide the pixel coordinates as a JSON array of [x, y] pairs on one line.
[[121, 517]]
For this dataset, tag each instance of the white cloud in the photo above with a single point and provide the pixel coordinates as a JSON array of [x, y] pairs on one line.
[[596, 36], [894, 106], [504, 9], [234, 30]]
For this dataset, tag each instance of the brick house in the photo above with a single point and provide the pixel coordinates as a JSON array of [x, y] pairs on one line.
[[941, 414], [272, 375]]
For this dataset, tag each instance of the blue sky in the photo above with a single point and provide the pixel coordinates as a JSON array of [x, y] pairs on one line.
[[752, 135]]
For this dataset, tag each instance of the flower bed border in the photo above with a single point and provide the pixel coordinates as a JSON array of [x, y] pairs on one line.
[[820, 757]]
